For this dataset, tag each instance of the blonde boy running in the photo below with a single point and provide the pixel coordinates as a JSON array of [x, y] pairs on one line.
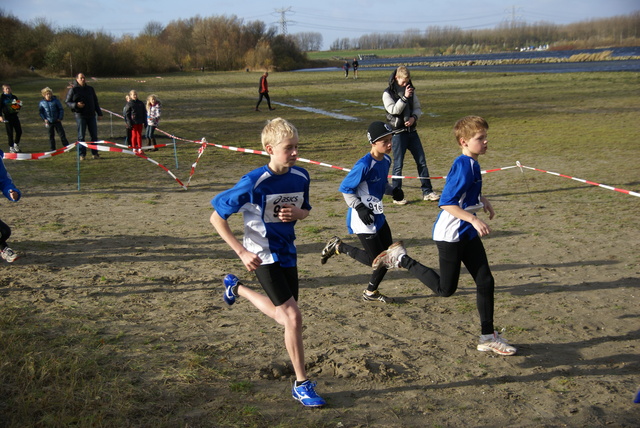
[[271, 198]]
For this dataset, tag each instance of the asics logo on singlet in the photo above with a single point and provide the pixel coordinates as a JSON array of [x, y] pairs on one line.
[[286, 200]]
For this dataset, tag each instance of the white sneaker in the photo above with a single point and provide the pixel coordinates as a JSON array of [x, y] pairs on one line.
[[496, 343], [12, 150], [17, 148], [9, 255], [433, 196], [390, 258], [400, 202]]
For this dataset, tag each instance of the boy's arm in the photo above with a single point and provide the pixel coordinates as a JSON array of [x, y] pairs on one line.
[[9, 190], [250, 260], [488, 208], [479, 225]]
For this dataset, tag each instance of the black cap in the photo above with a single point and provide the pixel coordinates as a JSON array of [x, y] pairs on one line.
[[378, 130]]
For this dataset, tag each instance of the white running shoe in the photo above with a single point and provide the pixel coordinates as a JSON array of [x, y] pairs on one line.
[[496, 343], [390, 258], [9, 255], [433, 196]]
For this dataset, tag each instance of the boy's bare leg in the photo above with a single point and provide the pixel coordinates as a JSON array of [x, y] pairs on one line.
[[288, 315]]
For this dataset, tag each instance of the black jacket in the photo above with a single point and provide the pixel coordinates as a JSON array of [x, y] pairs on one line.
[[88, 96], [135, 113]]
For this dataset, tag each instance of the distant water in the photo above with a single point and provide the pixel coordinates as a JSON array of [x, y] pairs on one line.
[[563, 67]]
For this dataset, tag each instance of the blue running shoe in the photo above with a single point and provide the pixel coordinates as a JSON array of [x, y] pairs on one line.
[[306, 394], [230, 282]]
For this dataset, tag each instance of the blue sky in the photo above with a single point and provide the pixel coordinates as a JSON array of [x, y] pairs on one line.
[[333, 19]]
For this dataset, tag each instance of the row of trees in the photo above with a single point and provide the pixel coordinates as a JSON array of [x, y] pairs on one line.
[[620, 30], [214, 43], [228, 43]]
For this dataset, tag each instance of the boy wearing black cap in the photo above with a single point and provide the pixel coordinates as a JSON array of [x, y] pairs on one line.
[[363, 189]]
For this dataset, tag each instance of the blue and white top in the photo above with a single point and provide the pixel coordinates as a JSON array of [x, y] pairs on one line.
[[368, 181], [259, 195], [463, 188], [6, 183]]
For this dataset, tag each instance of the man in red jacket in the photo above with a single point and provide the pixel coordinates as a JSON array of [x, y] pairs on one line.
[[263, 90]]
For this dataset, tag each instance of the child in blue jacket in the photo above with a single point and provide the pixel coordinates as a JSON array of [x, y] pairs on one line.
[[52, 112]]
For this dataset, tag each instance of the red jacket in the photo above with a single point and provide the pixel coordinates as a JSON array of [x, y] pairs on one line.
[[264, 86]]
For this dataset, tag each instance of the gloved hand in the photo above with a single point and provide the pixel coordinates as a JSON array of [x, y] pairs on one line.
[[397, 194], [365, 214]]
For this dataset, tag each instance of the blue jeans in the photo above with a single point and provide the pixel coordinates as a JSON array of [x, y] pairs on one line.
[[53, 128], [150, 132], [409, 140], [83, 123]]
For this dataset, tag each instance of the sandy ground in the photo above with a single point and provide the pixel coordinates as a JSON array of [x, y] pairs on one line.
[[567, 296]]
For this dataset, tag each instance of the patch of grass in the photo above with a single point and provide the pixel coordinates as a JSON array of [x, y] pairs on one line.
[[312, 230], [464, 306], [51, 227], [242, 386]]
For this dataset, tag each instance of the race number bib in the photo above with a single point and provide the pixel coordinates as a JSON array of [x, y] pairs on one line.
[[372, 203], [274, 203]]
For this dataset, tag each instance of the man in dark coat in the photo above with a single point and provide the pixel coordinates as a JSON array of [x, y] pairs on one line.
[[83, 101]]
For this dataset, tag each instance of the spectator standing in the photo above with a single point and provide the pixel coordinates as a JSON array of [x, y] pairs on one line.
[[263, 91], [11, 106], [154, 110], [83, 102], [127, 138], [52, 112], [135, 116], [355, 65], [346, 67], [403, 111]]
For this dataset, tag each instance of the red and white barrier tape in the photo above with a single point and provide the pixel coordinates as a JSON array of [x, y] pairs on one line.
[[130, 152], [604, 186], [32, 156], [203, 143], [203, 146]]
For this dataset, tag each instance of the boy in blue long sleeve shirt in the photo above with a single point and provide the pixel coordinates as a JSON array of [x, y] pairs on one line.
[[13, 194]]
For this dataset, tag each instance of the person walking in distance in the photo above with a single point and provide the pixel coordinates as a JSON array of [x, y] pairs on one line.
[[263, 91]]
